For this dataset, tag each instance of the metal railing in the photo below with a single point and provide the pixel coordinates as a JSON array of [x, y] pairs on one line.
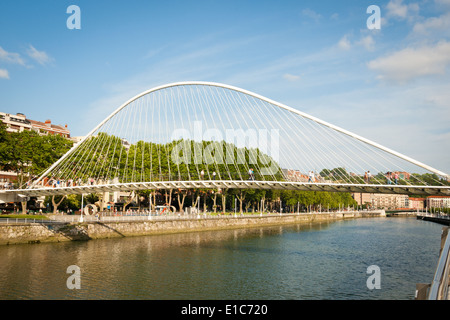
[[27, 221], [162, 217], [434, 215], [147, 216], [439, 287]]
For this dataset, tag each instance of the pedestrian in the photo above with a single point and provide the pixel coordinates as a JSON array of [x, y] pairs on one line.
[[214, 175], [365, 177], [311, 176], [368, 176], [202, 173], [396, 178]]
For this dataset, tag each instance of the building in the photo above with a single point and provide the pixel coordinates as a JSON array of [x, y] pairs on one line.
[[126, 144], [48, 128], [298, 176], [15, 123], [363, 198], [19, 123], [438, 202], [390, 201], [294, 175], [77, 139], [381, 200], [417, 203]]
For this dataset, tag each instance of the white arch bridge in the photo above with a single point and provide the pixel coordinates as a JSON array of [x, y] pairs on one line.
[[208, 135]]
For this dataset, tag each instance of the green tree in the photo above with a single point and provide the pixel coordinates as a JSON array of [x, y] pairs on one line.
[[28, 154]]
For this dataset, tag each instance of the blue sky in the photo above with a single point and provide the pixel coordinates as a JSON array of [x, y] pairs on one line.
[[390, 85]]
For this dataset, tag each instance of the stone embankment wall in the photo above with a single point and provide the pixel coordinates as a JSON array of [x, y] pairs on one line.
[[57, 232]]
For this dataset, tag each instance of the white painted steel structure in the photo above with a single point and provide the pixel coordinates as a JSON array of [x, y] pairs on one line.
[[208, 101], [283, 185], [418, 163]]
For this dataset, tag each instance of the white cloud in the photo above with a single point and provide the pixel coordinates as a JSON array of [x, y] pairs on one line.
[[291, 77], [410, 63], [335, 16], [397, 9], [344, 43], [368, 43], [39, 56], [443, 2], [385, 116], [4, 74], [11, 57], [311, 14], [434, 24]]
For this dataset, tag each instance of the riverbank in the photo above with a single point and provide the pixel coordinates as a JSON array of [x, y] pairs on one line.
[[441, 219], [83, 231]]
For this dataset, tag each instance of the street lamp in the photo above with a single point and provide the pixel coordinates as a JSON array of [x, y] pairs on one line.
[[150, 206], [262, 207], [198, 207], [82, 204]]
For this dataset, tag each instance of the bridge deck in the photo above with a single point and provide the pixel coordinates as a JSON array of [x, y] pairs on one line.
[[235, 184]]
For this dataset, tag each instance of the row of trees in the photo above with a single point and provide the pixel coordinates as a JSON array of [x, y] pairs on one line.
[[216, 201], [107, 157], [28, 154], [342, 175], [104, 158]]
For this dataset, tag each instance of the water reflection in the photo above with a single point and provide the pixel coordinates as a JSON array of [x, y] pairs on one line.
[[316, 261]]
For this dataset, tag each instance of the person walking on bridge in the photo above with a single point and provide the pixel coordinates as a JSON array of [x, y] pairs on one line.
[[311, 176]]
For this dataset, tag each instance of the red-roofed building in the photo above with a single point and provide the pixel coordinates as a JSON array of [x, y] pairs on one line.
[[19, 123], [438, 202], [417, 203], [48, 128]]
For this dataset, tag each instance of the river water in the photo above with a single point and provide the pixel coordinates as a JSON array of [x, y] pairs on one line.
[[297, 262]]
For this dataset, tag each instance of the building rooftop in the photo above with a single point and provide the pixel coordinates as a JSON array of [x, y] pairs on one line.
[[19, 122]]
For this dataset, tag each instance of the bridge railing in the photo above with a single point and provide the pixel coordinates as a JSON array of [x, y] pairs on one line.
[[209, 176], [161, 217], [16, 221], [439, 288]]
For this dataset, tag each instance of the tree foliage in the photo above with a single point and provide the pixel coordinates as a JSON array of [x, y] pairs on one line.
[[105, 157], [28, 154]]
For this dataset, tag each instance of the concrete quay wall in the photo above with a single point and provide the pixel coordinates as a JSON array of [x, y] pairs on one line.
[[58, 232]]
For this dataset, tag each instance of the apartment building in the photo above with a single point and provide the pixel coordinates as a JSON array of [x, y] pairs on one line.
[[19, 123], [380, 200]]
